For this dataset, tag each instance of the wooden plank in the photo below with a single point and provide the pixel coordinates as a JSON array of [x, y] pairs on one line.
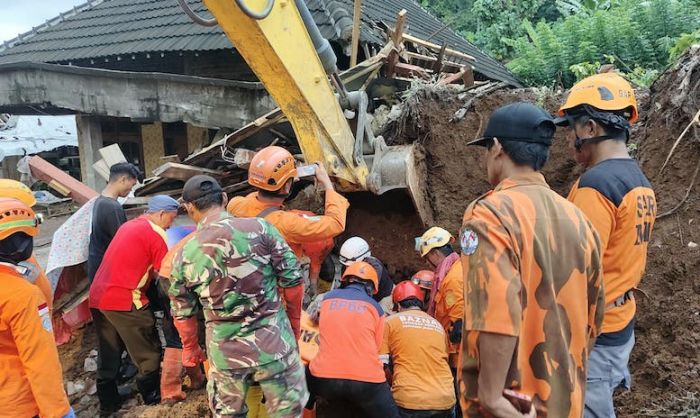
[[445, 63], [357, 13], [396, 39], [437, 66], [102, 169], [50, 174], [468, 76], [453, 77], [183, 172], [402, 68], [112, 154], [436, 47]]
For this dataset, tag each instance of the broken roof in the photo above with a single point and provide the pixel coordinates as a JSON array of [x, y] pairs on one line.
[[104, 28]]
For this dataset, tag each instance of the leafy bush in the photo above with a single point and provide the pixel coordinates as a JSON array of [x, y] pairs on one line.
[[638, 35]]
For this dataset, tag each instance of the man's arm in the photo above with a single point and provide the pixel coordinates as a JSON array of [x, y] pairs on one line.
[[495, 356], [34, 340], [598, 209]]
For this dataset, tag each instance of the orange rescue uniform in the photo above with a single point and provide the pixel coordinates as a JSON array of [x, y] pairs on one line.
[[619, 201], [532, 270], [42, 282], [297, 228], [449, 305], [31, 381], [415, 342]]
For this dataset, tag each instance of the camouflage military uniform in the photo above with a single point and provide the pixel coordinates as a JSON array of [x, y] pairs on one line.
[[234, 266]]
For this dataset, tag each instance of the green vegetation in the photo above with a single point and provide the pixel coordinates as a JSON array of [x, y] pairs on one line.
[[557, 42]]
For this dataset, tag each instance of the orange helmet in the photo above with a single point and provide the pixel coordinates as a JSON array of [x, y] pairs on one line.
[[16, 190], [270, 168], [16, 216], [407, 290], [362, 271], [607, 92], [424, 279]]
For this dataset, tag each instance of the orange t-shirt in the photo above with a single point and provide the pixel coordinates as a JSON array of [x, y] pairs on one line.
[[619, 201], [416, 344], [297, 228], [449, 304], [532, 270], [31, 381], [351, 327]]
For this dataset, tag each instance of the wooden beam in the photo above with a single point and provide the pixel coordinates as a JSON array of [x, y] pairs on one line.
[[357, 14], [183, 172], [396, 40], [61, 181], [421, 57], [411, 70], [468, 76], [437, 66], [453, 77], [436, 47]]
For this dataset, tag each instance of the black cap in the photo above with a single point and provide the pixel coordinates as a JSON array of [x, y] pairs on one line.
[[200, 186], [521, 122]]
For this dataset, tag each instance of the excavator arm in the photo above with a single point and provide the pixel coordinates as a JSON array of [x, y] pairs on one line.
[[281, 44]]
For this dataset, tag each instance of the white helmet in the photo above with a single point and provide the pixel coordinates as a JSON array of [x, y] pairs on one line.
[[354, 249]]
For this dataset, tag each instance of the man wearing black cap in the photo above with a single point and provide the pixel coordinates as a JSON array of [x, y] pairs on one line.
[[234, 268], [532, 277]]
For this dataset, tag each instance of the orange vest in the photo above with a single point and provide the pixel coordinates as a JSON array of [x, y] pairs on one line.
[[31, 381]]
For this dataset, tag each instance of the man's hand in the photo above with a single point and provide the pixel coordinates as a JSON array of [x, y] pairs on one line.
[[322, 177]]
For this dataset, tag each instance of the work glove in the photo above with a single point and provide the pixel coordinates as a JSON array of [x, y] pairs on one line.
[[192, 353], [456, 332], [70, 414], [293, 297]]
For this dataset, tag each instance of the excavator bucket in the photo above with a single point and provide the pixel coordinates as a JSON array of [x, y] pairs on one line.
[[401, 167]]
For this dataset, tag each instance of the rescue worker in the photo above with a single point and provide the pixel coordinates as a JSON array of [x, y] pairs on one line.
[[16, 190], [533, 280], [31, 382], [118, 294], [272, 172], [620, 202], [347, 373], [424, 279], [415, 349], [357, 249], [108, 214], [234, 267], [446, 303], [171, 368]]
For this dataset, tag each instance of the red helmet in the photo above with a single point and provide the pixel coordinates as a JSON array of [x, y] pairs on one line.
[[407, 290], [424, 279]]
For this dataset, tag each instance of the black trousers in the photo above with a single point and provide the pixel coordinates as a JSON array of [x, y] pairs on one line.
[[351, 398], [414, 413], [134, 331]]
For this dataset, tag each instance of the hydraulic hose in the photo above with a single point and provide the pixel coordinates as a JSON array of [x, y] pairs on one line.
[[321, 44], [194, 16]]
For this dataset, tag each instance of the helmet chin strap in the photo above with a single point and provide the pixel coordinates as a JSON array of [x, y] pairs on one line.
[[579, 143]]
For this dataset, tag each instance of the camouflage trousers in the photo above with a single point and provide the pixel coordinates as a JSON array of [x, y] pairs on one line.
[[282, 381]]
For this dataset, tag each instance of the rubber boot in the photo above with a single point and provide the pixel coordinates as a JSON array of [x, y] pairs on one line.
[[171, 377], [149, 387], [110, 401], [197, 378], [254, 401]]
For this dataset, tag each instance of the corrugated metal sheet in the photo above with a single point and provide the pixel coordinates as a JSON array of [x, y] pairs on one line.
[[124, 27]]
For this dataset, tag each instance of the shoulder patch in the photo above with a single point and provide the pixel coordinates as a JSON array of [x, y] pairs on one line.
[[469, 241], [43, 311]]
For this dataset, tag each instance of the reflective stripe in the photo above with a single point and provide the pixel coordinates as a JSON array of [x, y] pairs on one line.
[[627, 296]]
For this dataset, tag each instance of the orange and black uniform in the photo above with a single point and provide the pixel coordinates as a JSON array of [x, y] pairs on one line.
[[532, 270], [619, 201], [347, 372], [31, 381]]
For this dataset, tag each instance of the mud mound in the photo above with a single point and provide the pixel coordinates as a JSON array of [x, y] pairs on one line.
[[443, 121], [666, 361]]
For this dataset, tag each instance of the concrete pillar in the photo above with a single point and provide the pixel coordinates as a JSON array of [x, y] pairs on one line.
[[153, 147], [89, 144], [196, 138]]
